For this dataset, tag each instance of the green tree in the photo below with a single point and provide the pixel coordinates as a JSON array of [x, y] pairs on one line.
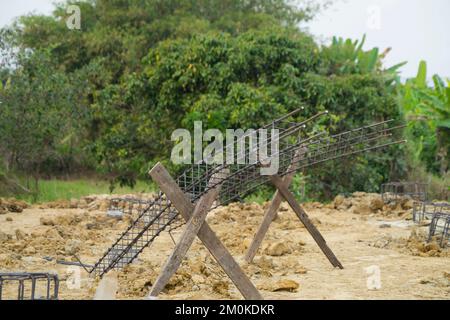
[[242, 82], [115, 37], [41, 116]]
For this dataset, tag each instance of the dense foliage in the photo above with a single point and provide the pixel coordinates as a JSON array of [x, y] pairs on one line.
[[53, 78], [241, 82], [428, 109]]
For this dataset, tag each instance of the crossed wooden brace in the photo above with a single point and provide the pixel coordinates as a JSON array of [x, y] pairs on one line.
[[195, 216], [283, 192], [196, 226]]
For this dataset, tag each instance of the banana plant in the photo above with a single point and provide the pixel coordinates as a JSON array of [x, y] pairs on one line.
[[431, 104], [428, 103], [345, 56]]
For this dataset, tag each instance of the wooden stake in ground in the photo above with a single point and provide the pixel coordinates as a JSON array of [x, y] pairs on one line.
[[301, 214], [272, 210], [196, 226], [190, 232], [283, 192]]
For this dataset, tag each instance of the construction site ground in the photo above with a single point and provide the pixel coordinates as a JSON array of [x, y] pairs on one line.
[[365, 234]]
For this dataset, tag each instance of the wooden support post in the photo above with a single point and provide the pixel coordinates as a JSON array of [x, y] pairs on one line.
[[190, 232], [301, 214], [184, 206], [272, 210]]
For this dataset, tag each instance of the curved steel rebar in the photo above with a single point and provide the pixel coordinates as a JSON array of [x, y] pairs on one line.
[[242, 180]]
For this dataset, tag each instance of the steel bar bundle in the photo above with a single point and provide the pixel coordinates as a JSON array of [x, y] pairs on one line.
[[296, 151]]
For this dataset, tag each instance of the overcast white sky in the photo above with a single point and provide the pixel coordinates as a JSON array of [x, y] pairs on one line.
[[415, 29]]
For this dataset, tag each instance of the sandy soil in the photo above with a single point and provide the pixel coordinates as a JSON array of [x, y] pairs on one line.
[[361, 231]]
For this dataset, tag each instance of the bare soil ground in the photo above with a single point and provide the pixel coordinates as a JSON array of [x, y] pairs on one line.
[[360, 230]]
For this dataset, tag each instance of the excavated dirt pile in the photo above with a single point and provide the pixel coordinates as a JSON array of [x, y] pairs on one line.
[[12, 205], [415, 244], [92, 203], [372, 203]]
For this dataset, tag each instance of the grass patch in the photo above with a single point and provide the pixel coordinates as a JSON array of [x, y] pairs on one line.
[[52, 190]]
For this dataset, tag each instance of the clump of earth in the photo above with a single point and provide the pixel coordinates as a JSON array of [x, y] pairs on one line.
[[372, 203], [12, 205], [361, 230]]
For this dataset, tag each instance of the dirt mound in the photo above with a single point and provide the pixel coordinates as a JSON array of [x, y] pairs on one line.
[[12, 205], [198, 273], [442, 281], [93, 202], [278, 249], [371, 203], [241, 219], [59, 204], [4, 237], [136, 280], [416, 244], [58, 237]]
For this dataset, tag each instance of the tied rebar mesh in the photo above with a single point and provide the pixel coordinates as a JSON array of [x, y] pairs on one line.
[[127, 206], [439, 215], [243, 179], [30, 286], [440, 228], [397, 191], [423, 211]]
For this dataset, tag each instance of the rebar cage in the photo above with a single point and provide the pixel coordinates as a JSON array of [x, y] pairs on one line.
[[397, 191], [127, 206], [439, 215], [296, 147], [29, 286], [423, 211], [439, 228]]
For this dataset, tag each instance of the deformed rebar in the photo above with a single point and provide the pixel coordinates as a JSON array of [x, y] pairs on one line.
[[160, 214], [438, 214], [244, 179], [30, 285], [440, 228], [425, 210], [396, 191]]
